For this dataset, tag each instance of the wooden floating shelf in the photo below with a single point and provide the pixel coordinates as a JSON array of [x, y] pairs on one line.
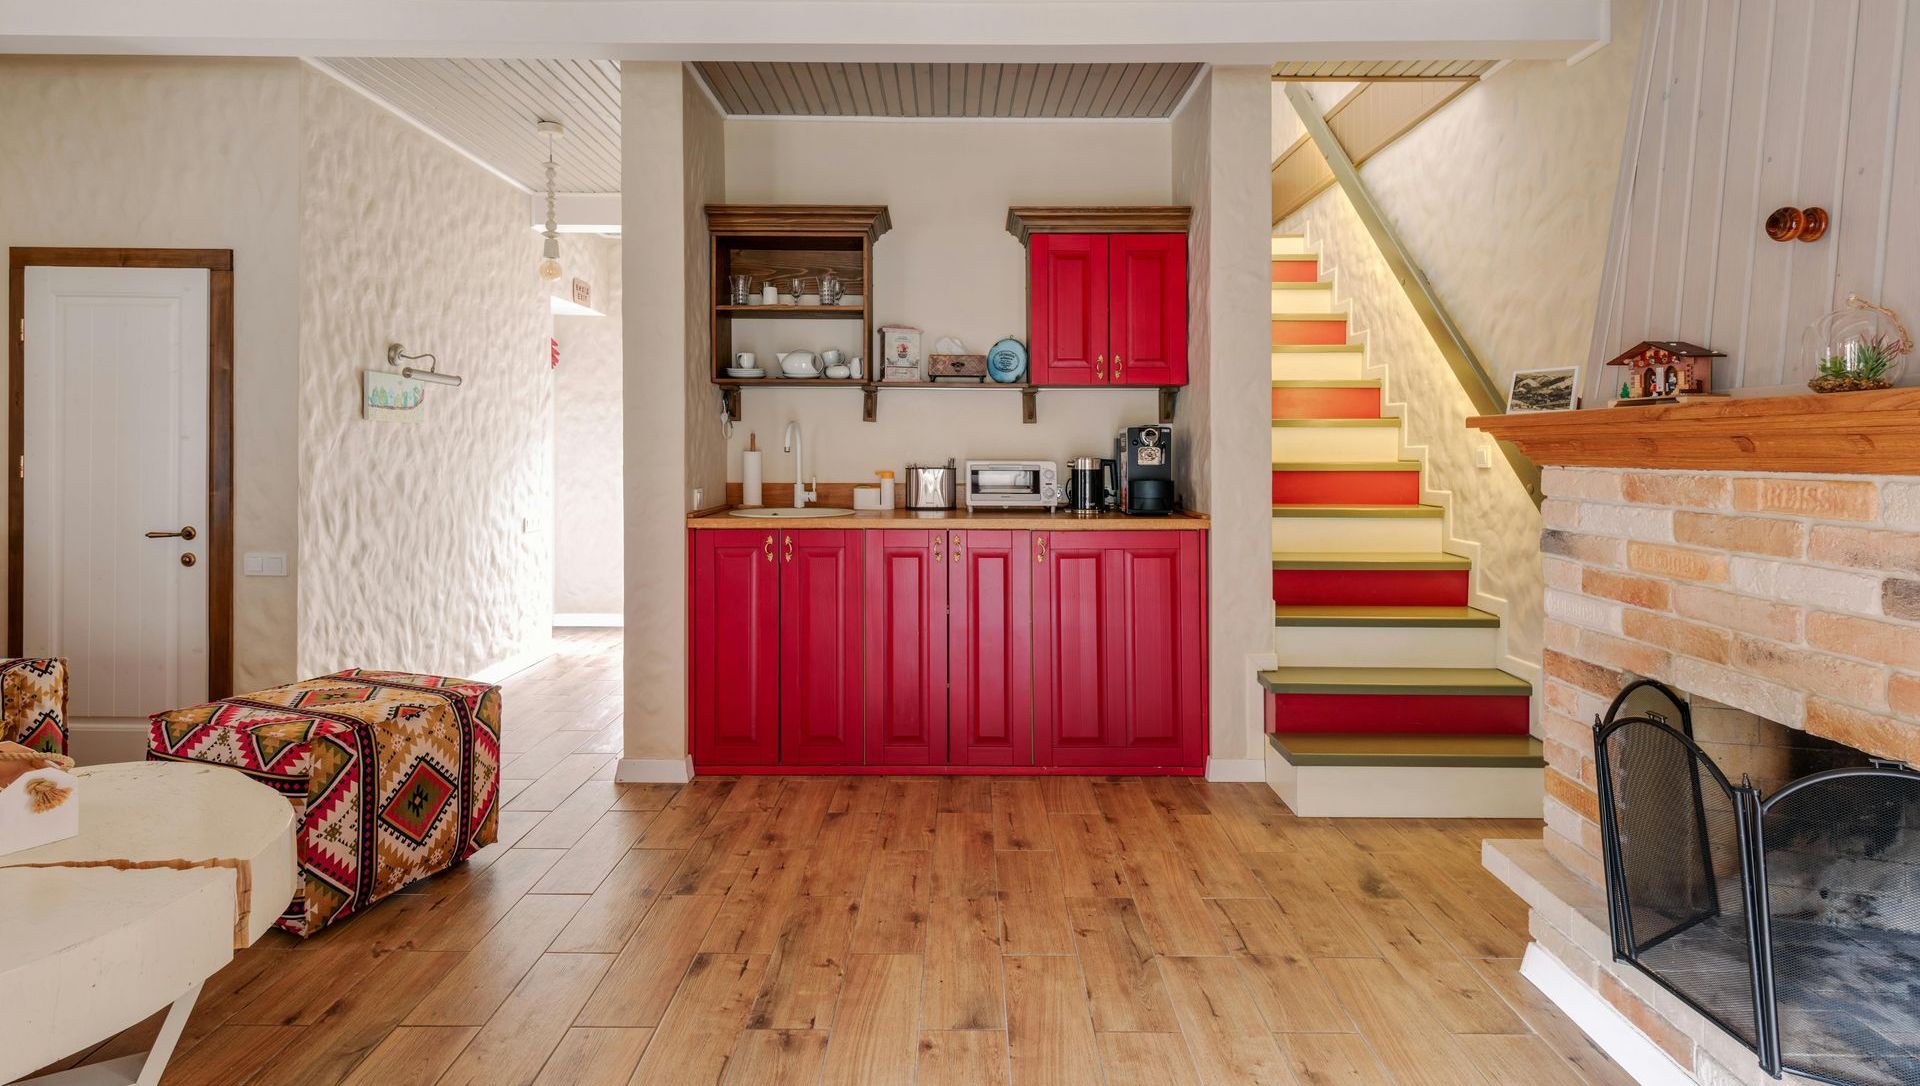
[[870, 411], [854, 312], [1852, 433]]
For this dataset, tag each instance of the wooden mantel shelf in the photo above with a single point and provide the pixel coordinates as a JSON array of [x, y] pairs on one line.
[[1858, 433]]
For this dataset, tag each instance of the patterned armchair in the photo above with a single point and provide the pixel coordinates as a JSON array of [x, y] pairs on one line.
[[33, 703]]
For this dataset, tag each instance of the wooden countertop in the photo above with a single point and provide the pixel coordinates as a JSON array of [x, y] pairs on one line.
[[1009, 519]]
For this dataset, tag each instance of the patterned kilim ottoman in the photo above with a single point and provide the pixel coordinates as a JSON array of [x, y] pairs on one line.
[[395, 776], [33, 704]]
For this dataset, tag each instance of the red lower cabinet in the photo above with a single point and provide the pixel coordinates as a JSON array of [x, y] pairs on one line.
[[1119, 649], [990, 677], [820, 647], [733, 603], [906, 648]]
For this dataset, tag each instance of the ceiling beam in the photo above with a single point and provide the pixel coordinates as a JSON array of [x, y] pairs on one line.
[[1216, 31]]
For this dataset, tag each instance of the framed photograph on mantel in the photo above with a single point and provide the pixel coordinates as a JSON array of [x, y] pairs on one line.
[[1544, 390]]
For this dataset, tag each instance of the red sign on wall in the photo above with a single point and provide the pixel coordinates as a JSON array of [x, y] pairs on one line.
[[554, 345]]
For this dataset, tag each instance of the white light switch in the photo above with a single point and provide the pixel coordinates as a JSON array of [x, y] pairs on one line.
[[265, 564], [1482, 456]]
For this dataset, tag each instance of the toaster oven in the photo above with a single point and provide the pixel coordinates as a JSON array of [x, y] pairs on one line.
[[1012, 484]]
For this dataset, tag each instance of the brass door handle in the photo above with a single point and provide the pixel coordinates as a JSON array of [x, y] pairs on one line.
[[1116, 367], [938, 541], [184, 533], [769, 548], [956, 546], [1099, 367], [1041, 543], [789, 548]]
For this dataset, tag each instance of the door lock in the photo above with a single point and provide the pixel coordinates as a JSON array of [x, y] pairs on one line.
[[188, 559]]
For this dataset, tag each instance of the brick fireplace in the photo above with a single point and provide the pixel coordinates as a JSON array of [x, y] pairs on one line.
[[1785, 605]]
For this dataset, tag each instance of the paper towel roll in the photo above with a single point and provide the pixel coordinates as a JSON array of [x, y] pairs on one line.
[[750, 478]]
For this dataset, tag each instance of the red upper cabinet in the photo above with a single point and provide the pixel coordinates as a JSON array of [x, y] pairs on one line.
[[906, 647], [734, 626], [990, 698], [819, 646], [1119, 649], [1070, 317], [1147, 309]]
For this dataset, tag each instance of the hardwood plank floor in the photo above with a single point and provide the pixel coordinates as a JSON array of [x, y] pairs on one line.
[[896, 930]]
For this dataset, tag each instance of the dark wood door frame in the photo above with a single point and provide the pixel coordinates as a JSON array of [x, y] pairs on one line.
[[219, 266]]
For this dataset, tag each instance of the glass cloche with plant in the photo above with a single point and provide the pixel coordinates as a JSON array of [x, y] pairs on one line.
[[1856, 347]]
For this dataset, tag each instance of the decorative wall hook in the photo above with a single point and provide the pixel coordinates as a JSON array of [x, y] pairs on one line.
[[1797, 224]]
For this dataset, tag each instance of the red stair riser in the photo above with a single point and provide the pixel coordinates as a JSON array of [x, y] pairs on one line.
[[1398, 714], [1346, 488], [1309, 333], [1296, 271], [1371, 587], [1326, 403]]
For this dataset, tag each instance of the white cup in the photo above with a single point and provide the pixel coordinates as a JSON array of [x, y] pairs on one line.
[[743, 361]]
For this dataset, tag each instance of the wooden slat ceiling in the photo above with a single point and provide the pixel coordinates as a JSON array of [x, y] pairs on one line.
[[750, 89], [1381, 69], [488, 108]]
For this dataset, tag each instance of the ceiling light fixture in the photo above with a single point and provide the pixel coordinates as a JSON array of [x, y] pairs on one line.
[[550, 245]]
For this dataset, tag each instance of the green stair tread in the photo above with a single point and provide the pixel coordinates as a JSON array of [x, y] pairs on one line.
[[1344, 382], [1394, 680], [1336, 424], [1425, 751], [1347, 465], [1387, 512], [1369, 560], [1285, 614]]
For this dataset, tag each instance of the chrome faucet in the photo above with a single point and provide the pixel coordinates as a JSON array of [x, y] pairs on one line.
[[801, 494]]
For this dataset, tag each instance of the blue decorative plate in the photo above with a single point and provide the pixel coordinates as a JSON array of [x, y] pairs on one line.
[[1007, 361]]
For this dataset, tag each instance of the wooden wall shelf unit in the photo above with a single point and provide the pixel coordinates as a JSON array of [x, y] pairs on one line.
[[1857, 433]]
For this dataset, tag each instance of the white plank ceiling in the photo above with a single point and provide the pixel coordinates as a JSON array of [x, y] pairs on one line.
[[948, 90], [1381, 69], [488, 107]]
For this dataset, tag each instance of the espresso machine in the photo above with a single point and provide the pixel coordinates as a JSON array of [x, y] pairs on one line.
[[1145, 458]]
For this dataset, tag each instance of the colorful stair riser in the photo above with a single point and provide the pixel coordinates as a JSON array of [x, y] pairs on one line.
[[1326, 403], [1398, 714], [1296, 271], [1371, 587], [1346, 487]]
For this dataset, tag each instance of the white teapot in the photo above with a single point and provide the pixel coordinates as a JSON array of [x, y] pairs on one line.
[[799, 363]]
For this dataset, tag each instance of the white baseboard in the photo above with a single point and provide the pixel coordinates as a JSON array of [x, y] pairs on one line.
[[97, 742], [583, 619], [1236, 770], [654, 770], [1639, 1057], [518, 662]]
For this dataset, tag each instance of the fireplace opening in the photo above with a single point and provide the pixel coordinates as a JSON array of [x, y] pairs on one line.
[[1784, 908]]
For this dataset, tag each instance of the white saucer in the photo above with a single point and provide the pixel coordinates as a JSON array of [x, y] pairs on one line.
[[735, 371]]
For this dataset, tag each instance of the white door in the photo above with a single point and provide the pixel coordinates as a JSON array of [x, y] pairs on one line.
[[116, 449]]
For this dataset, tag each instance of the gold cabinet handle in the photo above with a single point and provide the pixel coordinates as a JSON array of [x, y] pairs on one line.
[[1100, 367], [769, 548], [1116, 367], [938, 540], [956, 546], [789, 548], [184, 533], [1042, 549]]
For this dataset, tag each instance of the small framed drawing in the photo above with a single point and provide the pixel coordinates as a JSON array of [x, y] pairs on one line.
[[1544, 390], [389, 397]]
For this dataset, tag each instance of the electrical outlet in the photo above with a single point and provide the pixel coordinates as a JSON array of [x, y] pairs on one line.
[[264, 564]]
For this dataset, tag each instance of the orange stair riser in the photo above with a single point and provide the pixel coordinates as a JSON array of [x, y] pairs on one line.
[[1296, 271], [1346, 488], [1327, 333], [1398, 714], [1326, 403], [1371, 587]]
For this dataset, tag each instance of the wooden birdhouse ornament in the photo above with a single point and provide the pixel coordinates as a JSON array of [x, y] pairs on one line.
[[1664, 371]]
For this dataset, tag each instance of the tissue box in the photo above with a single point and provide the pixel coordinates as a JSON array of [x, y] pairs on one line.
[[22, 826]]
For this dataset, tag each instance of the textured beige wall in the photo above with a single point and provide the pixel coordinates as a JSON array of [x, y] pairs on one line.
[[588, 571], [186, 154], [1503, 198], [1220, 168], [948, 266], [415, 538], [674, 160]]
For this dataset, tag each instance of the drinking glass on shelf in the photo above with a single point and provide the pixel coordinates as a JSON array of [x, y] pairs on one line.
[[831, 289], [741, 287]]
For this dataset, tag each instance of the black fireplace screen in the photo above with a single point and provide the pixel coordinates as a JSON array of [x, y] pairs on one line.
[[1792, 922]]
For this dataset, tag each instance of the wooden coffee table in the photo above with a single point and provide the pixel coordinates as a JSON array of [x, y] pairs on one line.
[[175, 867]]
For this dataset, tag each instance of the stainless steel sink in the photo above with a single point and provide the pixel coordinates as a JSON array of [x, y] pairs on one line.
[[811, 512]]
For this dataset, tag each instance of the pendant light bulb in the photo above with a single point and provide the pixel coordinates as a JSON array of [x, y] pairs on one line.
[[550, 245]]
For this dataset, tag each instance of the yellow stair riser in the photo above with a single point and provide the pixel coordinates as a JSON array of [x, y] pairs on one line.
[[1405, 792], [1290, 245], [1386, 646], [1369, 535], [1336, 444], [1318, 299], [1319, 366]]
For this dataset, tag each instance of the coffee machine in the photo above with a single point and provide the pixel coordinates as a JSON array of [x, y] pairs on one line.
[[1145, 456]]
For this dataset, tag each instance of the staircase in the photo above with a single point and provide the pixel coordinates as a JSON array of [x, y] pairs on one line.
[[1386, 701]]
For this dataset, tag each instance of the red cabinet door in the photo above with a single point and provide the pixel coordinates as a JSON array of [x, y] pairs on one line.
[[1147, 343], [820, 647], [1119, 649], [990, 682], [733, 611], [1068, 295], [906, 647]]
